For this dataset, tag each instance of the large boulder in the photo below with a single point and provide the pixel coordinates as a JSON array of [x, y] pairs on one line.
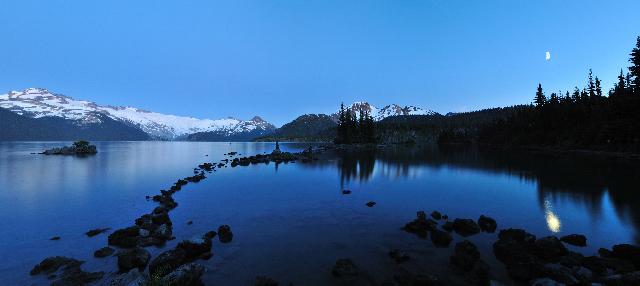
[[550, 248], [125, 238], [467, 260], [627, 252], [465, 227], [575, 239], [167, 262], [133, 258], [195, 248]]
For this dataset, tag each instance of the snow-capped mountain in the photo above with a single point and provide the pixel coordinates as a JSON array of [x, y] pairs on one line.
[[389, 110], [39, 102]]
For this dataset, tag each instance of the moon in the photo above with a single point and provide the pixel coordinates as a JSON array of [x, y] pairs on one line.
[[547, 56]]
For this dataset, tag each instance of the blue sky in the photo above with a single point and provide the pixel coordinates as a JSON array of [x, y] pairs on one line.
[[280, 59]]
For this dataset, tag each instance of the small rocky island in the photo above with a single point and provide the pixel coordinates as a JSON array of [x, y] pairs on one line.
[[78, 148]]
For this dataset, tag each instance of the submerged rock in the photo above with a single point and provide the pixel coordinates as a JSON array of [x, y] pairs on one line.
[[265, 281], [95, 232], [399, 256], [104, 252], [65, 271], [421, 225], [371, 204], [344, 268], [436, 215]]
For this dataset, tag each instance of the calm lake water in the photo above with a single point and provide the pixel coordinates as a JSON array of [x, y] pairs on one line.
[[291, 221]]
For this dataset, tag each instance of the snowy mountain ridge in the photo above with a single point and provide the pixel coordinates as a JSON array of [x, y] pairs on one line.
[[39, 102], [387, 111]]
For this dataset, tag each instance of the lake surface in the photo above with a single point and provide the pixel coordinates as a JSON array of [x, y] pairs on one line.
[[291, 221]]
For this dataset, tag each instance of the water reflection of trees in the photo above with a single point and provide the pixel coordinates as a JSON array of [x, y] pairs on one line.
[[580, 179]]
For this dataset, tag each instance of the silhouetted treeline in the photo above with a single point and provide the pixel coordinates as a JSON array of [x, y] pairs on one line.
[[354, 128], [582, 118]]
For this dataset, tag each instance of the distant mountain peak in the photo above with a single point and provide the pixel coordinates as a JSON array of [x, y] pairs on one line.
[[386, 111], [40, 102]]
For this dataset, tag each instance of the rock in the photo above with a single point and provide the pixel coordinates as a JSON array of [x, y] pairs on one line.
[[133, 258], [550, 248], [421, 225], [167, 262], [344, 268], [515, 234], [190, 222], [575, 239], [399, 256], [346, 192], [448, 226], [95, 232], [632, 278], [560, 274], [627, 252], [265, 281], [132, 278], [185, 275], [55, 238], [371, 204], [436, 215], [545, 282], [195, 247], [164, 231], [210, 234], [466, 254], [467, 260], [440, 238], [65, 271], [126, 237], [465, 227], [224, 233], [52, 264], [104, 252], [487, 224], [143, 232], [583, 274]]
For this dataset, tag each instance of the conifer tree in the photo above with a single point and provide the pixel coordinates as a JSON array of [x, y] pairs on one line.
[[540, 100], [634, 69]]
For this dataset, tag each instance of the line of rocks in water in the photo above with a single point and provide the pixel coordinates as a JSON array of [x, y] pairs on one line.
[[172, 267], [528, 260]]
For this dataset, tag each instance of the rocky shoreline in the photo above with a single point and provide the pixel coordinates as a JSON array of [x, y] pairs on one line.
[[528, 260], [172, 267]]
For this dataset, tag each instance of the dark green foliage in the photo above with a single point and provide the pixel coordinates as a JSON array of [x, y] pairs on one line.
[[354, 129]]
